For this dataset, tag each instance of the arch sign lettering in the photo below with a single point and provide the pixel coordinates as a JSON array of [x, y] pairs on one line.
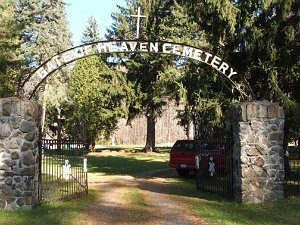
[[33, 83]]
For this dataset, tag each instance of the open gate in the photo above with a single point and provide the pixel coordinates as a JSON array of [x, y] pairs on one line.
[[63, 170]]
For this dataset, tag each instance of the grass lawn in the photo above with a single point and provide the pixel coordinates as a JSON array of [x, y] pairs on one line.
[[218, 210], [57, 213], [214, 209], [67, 212], [115, 163]]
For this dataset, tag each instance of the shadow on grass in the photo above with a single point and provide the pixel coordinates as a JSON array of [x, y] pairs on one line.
[[216, 209], [221, 210], [179, 186], [275, 213], [138, 167]]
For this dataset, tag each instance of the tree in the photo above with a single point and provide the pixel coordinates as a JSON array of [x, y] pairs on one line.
[[147, 71], [274, 61], [10, 63], [262, 39], [45, 33], [45, 29], [99, 97], [206, 97], [204, 94], [91, 33]]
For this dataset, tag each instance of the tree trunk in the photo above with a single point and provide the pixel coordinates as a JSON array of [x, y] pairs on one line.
[[190, 131], [150, 139]]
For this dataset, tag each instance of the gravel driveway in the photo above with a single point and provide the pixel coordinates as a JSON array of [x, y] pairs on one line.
[[159, 207]]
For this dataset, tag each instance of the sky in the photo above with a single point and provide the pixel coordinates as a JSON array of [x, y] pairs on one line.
[[79, 11]]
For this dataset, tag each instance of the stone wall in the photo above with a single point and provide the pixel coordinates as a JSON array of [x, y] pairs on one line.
[[19, 158], [258, 151]]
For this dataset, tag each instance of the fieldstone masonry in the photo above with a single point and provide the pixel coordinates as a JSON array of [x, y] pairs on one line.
[[258, 172], [258, 164], [19, 159]]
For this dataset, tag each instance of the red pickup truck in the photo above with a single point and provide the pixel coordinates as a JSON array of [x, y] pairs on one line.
[[182, 156], [183, 153]]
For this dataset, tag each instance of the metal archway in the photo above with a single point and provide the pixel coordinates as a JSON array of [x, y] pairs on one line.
[[28, 89]]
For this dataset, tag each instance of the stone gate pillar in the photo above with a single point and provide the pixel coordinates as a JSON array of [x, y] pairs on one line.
[[19, 153], [258, 164]]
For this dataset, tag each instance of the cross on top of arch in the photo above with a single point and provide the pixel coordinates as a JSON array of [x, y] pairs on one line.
[[34, 82], [138, 16]]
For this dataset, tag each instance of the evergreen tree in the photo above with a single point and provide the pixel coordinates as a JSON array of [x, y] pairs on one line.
[[154, 76], [261, 38], [45, 33], [10, 63], [206, 96], [203, 92], [45, 29], [99, 95], [91, 33], [272, 50]]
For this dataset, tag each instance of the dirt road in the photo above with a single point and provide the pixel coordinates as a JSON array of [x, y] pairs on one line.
[[141, 199]]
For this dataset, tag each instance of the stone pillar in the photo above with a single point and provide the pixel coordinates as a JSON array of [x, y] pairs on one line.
[[258, 164], [19, 153]]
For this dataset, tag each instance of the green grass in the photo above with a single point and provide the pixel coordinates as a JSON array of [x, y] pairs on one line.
[[212, 208], [136, 199], [218, 210], [56, 213], [138, 205], [129, 163]]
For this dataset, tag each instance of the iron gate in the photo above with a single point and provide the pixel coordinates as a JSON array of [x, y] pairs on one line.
[[292, 171], [63, 170], [214, 171]]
